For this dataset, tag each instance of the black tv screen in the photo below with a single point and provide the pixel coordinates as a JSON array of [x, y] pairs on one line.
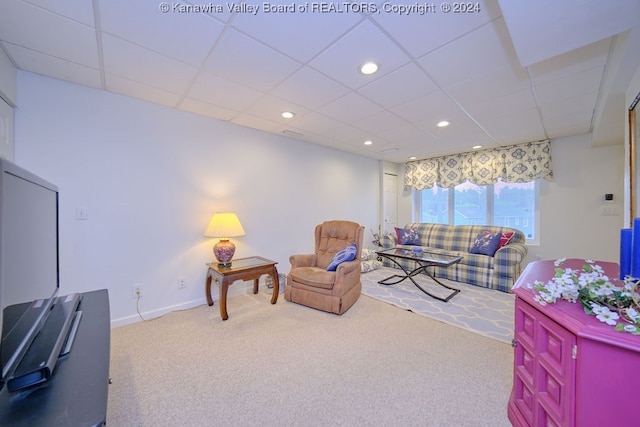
[[29, 267]]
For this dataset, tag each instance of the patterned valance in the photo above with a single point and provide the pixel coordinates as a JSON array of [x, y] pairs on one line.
[[515, 163]]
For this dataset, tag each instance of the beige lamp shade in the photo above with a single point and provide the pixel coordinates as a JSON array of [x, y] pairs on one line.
[[224, 224]]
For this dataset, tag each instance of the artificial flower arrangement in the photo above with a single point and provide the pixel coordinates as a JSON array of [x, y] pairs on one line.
[[618, 306]]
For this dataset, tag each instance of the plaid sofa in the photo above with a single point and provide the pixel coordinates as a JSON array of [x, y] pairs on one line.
[[497, 272]]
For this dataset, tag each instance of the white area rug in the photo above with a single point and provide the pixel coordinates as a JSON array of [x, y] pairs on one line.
[[484, 311]]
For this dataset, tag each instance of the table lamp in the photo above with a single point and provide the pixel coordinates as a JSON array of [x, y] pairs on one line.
[[224, 225]]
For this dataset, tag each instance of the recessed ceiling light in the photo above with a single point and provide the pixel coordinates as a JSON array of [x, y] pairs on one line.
[[368, 142], [443, 124], [288, 114], [475, 147], [368, 68]]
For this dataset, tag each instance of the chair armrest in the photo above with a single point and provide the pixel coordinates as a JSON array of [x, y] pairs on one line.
[[347, 267], [347, 275], [303, 260]]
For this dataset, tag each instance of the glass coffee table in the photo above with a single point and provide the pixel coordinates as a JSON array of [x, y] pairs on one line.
[[424, 260]]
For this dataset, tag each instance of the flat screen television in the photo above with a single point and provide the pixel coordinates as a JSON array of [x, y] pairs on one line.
[[29, 278]]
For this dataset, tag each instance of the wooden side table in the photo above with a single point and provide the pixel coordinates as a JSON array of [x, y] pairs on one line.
[[241, 269]]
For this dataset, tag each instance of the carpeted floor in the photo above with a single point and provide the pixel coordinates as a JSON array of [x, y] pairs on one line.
[[484, 311], [290, 365]]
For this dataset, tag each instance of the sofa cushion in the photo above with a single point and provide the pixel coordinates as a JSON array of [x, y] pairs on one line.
[[347, 254], [407, 236], [486, 243]]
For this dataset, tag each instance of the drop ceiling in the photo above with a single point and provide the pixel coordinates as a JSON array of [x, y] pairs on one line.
[[503, 73]]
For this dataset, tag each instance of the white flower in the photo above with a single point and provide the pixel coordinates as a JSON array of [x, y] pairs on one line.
[[609, 317], [598, 309], [540, 300], [607, 288], [633, 314], [599, 295]]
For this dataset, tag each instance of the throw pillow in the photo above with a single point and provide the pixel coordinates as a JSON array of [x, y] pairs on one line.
[[347, 254], [407, 236], [505, 238], [370, 265], [486, 244]]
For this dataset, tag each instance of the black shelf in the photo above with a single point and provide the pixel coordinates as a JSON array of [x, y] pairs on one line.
[[77, 392]]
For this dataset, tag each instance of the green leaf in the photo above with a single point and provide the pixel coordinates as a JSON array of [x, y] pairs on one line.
[[619, 327]]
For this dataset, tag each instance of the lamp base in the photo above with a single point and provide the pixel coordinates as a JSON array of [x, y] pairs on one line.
[[223, 251]]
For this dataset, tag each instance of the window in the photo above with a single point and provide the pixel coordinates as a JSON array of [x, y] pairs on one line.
[[502, 204]]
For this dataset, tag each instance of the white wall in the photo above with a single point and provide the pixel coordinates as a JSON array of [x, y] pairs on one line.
[[571, 222], [151, 177], [571, 219]]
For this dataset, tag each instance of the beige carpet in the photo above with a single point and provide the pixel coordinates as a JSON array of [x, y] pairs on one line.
[[289, 365]]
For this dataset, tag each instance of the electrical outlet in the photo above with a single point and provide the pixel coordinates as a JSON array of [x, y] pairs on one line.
[[182, 283], [136, 290]]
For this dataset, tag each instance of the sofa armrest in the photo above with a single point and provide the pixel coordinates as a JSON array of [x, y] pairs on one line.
[[303, 260], [508, 256], [389, 240]]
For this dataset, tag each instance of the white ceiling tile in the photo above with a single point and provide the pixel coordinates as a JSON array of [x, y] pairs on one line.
[[77, 10], [362, 44], [299, 35], [501, 106], [392, 89], [350, 108], [573, 85], [508, 129], [347, 132], [191, 37], [216, 90], [258, 67], [582, 103], [421, 33], [151, 68], [378, 122], [316, 123], [575, 61], [498, 83], [206, 109], [432, 108], [538, 34], [271, 107], [118, 84], [48, 33], [245, 68], [244, 119], [576, 120], [41, 63], [407, 135], [477, 53], [310, 88]]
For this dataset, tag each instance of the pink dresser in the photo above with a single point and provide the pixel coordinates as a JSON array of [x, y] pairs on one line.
[[569, 368]]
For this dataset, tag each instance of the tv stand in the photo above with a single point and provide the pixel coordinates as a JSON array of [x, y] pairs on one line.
[[76, 394]]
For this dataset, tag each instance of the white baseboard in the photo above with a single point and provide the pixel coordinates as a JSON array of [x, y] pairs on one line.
[[152, 314]]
